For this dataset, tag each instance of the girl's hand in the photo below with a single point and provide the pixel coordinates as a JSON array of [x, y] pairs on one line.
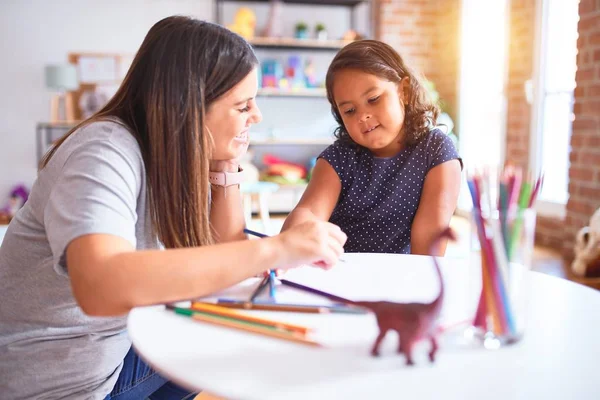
[[313, 242]]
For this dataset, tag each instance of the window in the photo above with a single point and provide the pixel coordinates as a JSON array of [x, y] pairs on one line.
[[554, 84]]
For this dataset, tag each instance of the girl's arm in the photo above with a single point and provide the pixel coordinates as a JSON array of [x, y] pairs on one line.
[[109, 277], [319, 198], [438, 202]]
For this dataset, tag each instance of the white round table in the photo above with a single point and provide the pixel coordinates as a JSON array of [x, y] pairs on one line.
[[557, 359]]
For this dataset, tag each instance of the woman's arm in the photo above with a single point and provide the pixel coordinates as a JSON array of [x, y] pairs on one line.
[[438, 202], [319, 199], [108, 277], [226, 212]]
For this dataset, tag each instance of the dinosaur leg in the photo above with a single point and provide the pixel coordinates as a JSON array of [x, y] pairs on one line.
[[434, 348], [375, 349], [407, 343]]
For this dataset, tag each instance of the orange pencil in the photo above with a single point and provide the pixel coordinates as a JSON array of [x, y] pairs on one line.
[[247, 327], [227, 312]]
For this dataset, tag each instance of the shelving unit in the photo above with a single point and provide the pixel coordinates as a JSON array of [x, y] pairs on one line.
[[345, 3], [297, 44], [275, 92], [296, 142], [297, 147]]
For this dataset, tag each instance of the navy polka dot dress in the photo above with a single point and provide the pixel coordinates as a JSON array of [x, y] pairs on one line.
[[380, 196]]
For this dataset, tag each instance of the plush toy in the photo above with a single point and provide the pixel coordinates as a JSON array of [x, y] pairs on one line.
[[587, 249], [18, 197], [244, 23], [282, 172]]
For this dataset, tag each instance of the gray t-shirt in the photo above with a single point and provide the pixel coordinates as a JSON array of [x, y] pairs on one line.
[[49, 349]]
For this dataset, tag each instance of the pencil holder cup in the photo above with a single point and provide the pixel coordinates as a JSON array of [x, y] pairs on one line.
[[500, 261]]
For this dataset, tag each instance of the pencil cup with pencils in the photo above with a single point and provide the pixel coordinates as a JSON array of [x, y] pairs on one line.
[[502, 242]]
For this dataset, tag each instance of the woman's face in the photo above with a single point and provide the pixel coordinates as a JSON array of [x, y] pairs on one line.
[[230, 117], [372, 110]]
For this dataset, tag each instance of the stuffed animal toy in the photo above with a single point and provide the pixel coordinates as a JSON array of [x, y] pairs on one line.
[[244, 23], [18, 197], [587, 249]]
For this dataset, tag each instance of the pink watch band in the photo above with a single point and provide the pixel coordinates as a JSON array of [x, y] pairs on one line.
[[226, 178]]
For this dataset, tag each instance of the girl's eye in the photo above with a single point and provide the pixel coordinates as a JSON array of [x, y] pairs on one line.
[[349, 111], [374, 99]]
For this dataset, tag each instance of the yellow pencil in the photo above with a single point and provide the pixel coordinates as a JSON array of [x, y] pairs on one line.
[[226, 312], [249, 327]]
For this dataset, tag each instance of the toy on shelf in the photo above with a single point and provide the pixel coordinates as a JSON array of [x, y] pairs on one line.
[[352, 35], [282, 172], [273, 26], [18, 197], [244, 23], [310, 74], [272, 72], [294, 72], [587, 249]]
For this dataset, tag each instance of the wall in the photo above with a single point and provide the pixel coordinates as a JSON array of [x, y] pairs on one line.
[[37, 32], [426, 34], [584, 174], [520, 69]]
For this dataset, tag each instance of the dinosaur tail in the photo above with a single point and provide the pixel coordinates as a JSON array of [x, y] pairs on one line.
[[447, 233]]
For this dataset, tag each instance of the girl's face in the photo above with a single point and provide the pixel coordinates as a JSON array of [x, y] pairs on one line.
[[230, 117], [372, 110]]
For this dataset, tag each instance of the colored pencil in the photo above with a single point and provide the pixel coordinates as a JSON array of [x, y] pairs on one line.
[[262, 235], [299, 308], [272, 284], [259, 288], [316, 291], [227, 312], [248, 327]]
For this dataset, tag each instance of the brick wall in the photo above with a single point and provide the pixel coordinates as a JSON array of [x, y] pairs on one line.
[[520, 69], [584, 174], [426, 34]]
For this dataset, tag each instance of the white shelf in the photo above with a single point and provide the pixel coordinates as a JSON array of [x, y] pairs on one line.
[[308, 92], [293, 43], [282, 142]]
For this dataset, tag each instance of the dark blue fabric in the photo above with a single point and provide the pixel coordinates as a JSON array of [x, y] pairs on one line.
[[380, 196], [137, 381]]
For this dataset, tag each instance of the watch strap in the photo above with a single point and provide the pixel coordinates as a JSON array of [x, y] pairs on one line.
[[226, 178]]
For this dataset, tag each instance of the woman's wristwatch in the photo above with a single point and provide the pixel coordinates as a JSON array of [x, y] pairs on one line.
[[226, 179]]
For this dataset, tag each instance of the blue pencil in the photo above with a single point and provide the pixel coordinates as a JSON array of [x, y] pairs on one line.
[[272, 284]]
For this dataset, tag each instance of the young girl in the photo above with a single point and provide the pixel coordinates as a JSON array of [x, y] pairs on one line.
[[85, 248], [390, 181]]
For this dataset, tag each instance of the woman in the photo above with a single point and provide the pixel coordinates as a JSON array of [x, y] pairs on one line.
[[85, 248]]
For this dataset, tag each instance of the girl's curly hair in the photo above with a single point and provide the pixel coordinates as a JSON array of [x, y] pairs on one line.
[[377, 58]]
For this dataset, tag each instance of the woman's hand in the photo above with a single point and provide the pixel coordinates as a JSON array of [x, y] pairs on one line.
[[313, 242], [228, 165]]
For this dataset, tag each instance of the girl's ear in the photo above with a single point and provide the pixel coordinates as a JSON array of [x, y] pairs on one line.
[[404, 89]]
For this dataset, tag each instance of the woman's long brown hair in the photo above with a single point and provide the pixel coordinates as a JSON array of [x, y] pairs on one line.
[[181, 68], [380, 59]]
